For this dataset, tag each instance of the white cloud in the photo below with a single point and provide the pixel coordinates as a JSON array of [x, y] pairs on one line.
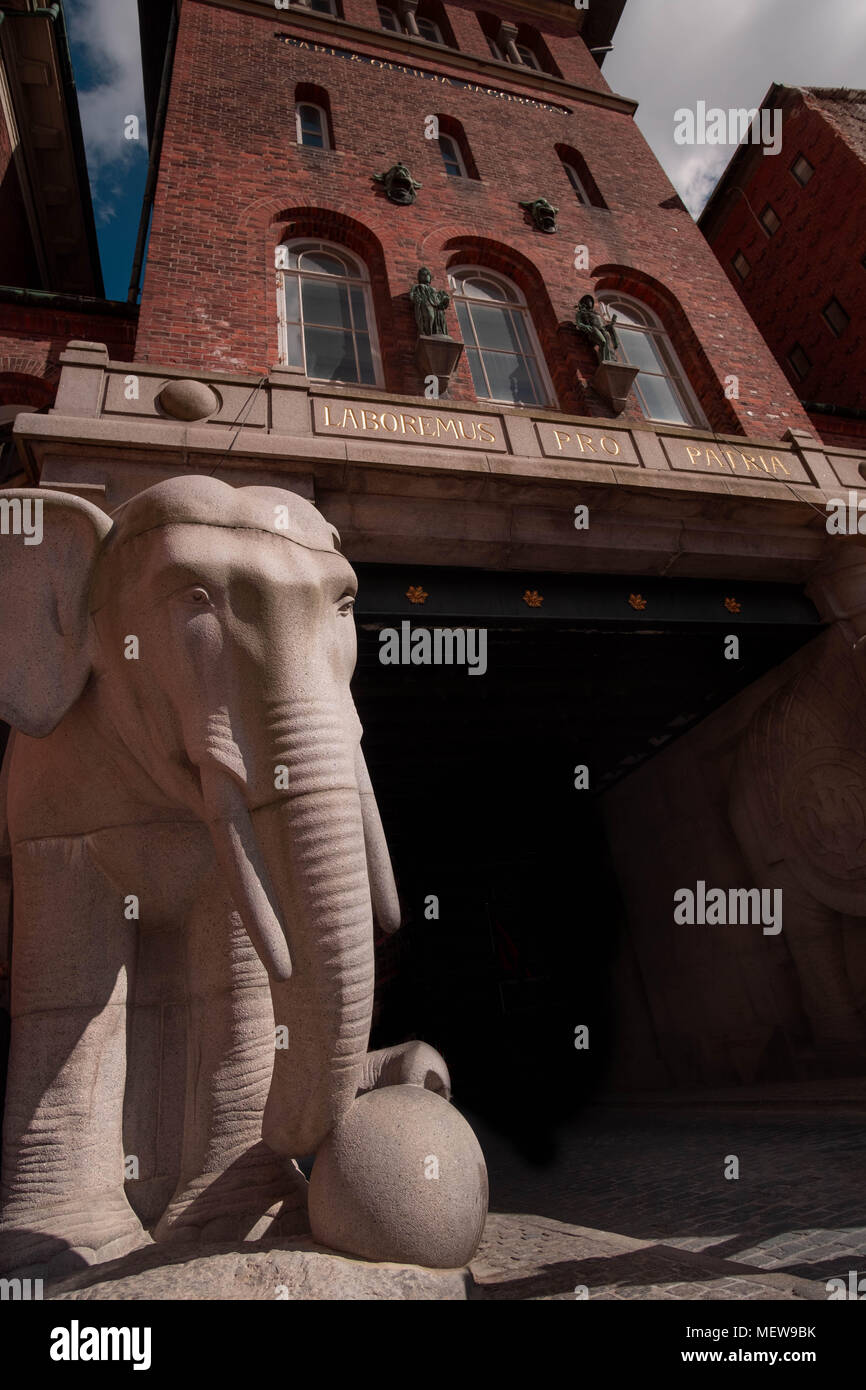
[[107, 30], [673, 53]]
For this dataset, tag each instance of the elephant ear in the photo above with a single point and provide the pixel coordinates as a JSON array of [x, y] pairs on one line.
[[49, 544]]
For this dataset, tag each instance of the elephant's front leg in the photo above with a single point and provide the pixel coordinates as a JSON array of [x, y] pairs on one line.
[[231, 1186], [63, 1164]]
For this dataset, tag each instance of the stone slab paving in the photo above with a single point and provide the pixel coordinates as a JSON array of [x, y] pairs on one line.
[[795, 1217]]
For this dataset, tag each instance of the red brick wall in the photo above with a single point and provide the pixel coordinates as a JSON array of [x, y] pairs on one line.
[[32, 339], [817, 251], [233, 182]]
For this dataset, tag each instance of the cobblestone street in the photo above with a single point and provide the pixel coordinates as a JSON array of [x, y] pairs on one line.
[[636, 1205]]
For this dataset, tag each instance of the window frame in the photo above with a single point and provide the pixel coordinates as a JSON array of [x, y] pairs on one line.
[[458, 156], [675, 375], [457, 275], [577, 183], [837, 333], [534, 62], [769, 208], [397, 27], [323, 122], [324, 7], [425, 19], [795, 175], [359, 277], [795, 348], [741, 255]]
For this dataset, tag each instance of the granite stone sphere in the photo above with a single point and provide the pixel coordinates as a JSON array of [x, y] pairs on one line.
[[188, 400], [401, 1177]]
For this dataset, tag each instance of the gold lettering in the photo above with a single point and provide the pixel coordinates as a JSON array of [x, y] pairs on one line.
[[328, 420], [425, 421], [614, 450], [727, 454], [463, 434], [373, 416], [449, 425], [694, 453], [386, 415], [774, 459], [589, 444], [561, 438], [485, 434], [751, 462], [349, 414], [412, 421], [711, 453]]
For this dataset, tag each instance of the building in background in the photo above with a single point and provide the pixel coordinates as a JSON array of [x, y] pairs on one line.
[[790, 232], [51, 286], [670, 697]]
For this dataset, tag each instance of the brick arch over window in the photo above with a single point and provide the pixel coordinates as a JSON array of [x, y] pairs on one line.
[[701, 374], [552, 338], [324, 224], [569, 155], [23, 389]]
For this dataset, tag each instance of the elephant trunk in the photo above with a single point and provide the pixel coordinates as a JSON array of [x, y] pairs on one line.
[[297, 869]]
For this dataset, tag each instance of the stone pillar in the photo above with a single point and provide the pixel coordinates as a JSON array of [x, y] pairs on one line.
[[407, 14], [506, 38]]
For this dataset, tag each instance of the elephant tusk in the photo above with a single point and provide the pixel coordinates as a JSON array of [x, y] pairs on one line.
[[383, 889], [241, 861]]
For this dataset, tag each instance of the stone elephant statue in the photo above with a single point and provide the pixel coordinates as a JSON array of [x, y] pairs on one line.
[[798, 808], [185, 765]]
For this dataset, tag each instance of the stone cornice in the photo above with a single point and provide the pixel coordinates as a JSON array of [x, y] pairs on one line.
[[339, 32]]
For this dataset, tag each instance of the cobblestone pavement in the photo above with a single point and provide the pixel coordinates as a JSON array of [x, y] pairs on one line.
[[636, 1205]]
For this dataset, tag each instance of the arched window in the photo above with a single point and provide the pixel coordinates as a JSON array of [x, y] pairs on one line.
[[575, 181], [311, 123], [428, 29], [527, 56], [501, 347], [578, 173], [388, 19], [327, 328], [451, 157], [661, 387]]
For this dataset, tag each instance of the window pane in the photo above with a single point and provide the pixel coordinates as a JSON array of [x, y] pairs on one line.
[[330, 356], [477, 288], [639, 350], [660, 400], [464, 320], [291, 286], [359, 308], [624, 312], [325, 302], [509, 379], [477, 374], [449, 157], [387, 18], [312, 132], [294, 353], [494, 328], [320, 260], [365, 359], [428, 30], [323, 6]]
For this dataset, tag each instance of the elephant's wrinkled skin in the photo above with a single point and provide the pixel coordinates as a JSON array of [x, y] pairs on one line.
[[178, 680]]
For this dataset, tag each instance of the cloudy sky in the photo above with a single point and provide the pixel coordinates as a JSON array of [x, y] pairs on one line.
[[668, 54]]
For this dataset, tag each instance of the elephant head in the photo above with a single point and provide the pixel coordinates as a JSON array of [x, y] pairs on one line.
[[210, 628]]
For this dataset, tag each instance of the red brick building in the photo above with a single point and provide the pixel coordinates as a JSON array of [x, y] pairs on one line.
[[790, 232], [278, 344]]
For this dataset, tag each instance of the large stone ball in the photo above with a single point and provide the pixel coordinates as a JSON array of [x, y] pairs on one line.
[[401, 1177]]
